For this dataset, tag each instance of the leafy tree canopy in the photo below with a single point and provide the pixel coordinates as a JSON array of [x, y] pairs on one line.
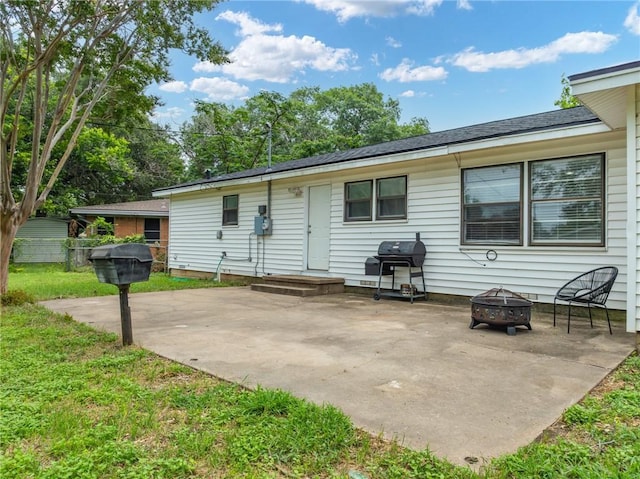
[[60, 60], [566, 100], [309, 122]]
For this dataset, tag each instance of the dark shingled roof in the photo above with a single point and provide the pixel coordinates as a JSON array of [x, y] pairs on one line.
[[604, 71], [156, 207], [502, 128]]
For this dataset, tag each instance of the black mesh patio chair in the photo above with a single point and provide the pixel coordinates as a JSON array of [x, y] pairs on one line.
[[591, 288]]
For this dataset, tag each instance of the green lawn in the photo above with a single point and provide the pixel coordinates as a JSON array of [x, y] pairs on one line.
[[50, 281], [74, 403]]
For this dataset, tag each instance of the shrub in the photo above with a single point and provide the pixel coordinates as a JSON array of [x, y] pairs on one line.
[[16, 297]]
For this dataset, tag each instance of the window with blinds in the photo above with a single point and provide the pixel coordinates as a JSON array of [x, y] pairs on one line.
[[492, 205], [567, 201]]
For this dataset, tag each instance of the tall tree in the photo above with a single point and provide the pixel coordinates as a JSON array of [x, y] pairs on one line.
[[155, 157], [96, 172], [224, 139], [566, 100], [58, 60], [309, 122]]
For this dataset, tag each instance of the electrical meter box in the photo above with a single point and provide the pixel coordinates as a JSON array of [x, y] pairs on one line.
[[262, 225]]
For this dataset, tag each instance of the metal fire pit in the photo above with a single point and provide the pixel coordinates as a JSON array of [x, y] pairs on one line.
[[501, 307]]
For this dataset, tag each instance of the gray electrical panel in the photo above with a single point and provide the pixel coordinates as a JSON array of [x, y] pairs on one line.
[[262, 225]]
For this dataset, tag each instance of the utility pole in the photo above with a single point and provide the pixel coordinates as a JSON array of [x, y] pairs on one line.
[[269, 146]]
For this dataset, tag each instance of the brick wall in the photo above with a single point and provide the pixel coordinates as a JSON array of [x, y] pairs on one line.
[[134, 225]]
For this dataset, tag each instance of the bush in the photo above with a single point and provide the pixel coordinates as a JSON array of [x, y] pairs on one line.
[[16, 297]]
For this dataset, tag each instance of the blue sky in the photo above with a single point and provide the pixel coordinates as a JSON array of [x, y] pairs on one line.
[[455, 63]]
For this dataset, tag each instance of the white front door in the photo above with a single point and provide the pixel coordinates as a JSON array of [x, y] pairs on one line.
[[319, 227]]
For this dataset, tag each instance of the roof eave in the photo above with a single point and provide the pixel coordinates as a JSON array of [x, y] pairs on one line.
[[605, 91], [85, 211]]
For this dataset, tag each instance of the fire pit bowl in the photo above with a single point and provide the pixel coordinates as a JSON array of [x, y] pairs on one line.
[[501, 307]]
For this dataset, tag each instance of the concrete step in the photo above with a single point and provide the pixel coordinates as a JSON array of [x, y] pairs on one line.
[[299, 285], [289, 290]]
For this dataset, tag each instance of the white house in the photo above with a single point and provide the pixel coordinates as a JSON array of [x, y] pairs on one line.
[[525, 203]]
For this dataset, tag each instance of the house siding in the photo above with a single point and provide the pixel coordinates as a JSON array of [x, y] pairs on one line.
[[196, 219], [636, 116], [433, 211], [41, 240]]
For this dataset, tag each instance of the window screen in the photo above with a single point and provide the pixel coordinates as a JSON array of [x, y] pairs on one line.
[[492, 200], [358, 200], [567, 201], [392, 198]]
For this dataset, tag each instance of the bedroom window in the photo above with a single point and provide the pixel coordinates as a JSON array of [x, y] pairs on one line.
[[358, 198], [230, 210], [492, 205], [391, 198], [567, 201]]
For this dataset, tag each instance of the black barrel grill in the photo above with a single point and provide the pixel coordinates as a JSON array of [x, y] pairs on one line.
[[399, 254], [411, 252]]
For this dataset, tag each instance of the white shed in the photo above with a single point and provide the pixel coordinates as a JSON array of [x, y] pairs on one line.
[[41, 240], [525, 203]]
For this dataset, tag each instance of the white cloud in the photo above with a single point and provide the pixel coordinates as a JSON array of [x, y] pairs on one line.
[[425, 7], [276, 58], [168, 114], [219, 89], [571, 43], [632, 22], [206, 67], [406, 72], [248, 25], [345, 10], [348, 9], [174, 87], [408, 94], [393, 43]]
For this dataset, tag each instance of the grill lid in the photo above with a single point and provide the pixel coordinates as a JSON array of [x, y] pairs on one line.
[[412, 251]]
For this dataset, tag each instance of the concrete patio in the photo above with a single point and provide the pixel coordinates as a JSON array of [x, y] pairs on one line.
[[414, 372]]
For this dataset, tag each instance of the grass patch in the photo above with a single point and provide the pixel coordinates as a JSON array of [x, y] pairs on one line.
[[76, 404], [596, 438], [51, 281]]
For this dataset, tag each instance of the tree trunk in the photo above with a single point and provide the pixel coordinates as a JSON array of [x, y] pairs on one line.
[[8, 229]]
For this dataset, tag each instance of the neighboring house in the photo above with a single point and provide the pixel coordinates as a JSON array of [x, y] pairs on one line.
[[526, 203], [149, 218], [41, 240]]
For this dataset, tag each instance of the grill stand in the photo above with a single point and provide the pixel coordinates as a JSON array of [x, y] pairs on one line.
[[388, 267]]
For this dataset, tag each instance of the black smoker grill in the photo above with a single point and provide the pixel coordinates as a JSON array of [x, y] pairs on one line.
[[399, 254]]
